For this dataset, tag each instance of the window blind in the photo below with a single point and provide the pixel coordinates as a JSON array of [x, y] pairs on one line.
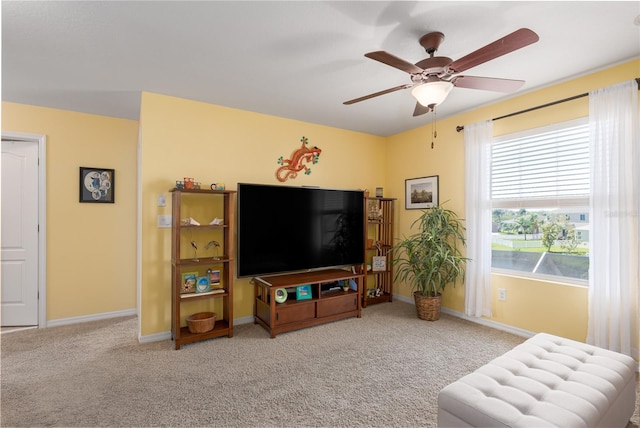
[[548, 164]]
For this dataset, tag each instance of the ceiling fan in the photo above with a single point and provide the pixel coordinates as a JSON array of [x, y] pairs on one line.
[[433, 78]]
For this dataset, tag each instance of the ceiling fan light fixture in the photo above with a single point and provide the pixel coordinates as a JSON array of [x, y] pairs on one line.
[[432, 93]]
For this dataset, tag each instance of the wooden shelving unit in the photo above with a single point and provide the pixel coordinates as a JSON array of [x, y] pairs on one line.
[[216, 203], [380, 222], [328, 302]]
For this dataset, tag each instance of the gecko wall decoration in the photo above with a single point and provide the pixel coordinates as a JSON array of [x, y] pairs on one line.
[[304, 155]]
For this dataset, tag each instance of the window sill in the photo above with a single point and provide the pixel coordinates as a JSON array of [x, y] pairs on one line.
[[571, 282]]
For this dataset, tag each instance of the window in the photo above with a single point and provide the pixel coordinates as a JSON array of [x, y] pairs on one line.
[[540, 202]]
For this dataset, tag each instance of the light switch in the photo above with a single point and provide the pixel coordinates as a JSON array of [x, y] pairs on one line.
[[162, 201]]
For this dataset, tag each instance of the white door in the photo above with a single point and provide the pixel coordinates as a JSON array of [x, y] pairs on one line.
[[19, 233]]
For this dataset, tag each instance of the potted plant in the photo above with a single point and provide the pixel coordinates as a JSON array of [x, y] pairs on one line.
[[430, 259]]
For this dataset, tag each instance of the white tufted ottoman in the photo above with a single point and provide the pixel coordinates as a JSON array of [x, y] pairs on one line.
[[545, 381]]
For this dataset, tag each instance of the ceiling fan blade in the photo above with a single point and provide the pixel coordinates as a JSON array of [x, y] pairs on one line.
[[386, 91], [487, 83], [509, 43], [420, 110], [394, 61]]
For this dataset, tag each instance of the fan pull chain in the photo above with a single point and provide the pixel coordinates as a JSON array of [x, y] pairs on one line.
[[434, 132]]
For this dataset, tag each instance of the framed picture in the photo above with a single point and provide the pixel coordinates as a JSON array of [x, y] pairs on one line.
[[303, 292], [379, 263], [97, 185], [202, 284], [189, 282], [421, 193], [214, 276]]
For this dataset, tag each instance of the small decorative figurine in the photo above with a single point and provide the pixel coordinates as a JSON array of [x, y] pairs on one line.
[[374, 212], [189, 222], [214, 244], [195, 250]]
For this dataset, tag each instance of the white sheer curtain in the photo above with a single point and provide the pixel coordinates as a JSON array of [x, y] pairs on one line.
[[615, 218], [478, 138]]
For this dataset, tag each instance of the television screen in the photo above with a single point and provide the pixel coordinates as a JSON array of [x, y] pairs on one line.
[[288, 229]]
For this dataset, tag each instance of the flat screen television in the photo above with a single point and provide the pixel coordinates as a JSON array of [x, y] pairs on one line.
[[284, 229]]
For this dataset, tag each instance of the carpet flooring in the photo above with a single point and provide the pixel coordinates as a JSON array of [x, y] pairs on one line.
[[382, 370]]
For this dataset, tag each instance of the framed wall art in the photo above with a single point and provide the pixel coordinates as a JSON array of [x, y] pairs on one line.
[[421, 193], [97, 185]]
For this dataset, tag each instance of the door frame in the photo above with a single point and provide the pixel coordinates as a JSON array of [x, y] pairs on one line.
[[42, 216]]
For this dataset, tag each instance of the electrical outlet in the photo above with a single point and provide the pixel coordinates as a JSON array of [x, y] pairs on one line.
[[502, 294], [164, 221]]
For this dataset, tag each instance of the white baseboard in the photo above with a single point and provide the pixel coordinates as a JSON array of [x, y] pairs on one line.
[[493, 324], [93, 317], [7, 330], [166, 335], [243, 320], [483, 321], [157, 337], [404, 299]]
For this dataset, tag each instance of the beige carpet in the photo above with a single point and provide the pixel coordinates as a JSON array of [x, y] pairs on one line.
[[382, 370]]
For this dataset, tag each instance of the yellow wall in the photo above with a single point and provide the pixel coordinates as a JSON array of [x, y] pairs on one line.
[[531, 305], [91, 247], [182, 138], [91, 259], [541, 306]]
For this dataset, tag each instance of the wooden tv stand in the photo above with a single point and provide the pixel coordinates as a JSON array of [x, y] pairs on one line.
[[324, 305]]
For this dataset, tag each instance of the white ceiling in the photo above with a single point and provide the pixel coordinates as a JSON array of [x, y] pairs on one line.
[[299, 60]]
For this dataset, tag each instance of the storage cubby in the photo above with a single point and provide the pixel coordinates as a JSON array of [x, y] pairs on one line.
[[328, 301]]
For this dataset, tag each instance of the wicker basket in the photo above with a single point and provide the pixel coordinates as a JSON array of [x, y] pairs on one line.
[[428, 307], [201, 322]]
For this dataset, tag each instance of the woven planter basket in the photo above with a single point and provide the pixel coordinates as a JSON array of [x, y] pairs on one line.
[[428, 307]]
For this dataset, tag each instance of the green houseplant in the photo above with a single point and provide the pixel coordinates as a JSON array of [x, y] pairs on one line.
[[430, 259]]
